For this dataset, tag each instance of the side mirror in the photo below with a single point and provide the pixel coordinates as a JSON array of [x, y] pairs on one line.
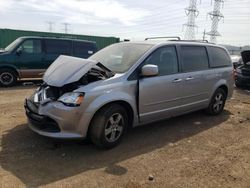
[[19, 51], [149, 70]]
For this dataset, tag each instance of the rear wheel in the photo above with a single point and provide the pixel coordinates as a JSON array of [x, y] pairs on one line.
[[7, 77], [108, 126], [217, 103]]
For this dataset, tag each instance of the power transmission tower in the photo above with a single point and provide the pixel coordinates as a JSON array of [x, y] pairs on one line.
[[191, 12], [215, 16], [204, 35], [66, 27], [50, 25]]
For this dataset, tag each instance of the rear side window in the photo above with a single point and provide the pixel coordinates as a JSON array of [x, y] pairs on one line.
[[194, 58], [58, 47], [82, 48], [219, 57]]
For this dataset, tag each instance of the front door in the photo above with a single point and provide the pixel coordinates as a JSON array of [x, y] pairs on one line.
[[29, 58], [160, 96]]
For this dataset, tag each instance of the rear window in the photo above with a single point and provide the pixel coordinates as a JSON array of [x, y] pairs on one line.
[[194, 58], [219, 57], [84, 48], [58, 47]]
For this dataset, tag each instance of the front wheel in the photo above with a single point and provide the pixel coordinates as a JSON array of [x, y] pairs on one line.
[[217, 103], [108, 126], [7, 78]]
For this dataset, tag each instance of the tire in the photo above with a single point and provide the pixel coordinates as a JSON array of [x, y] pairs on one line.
[[108, 126], [8, 77], [217, 102]]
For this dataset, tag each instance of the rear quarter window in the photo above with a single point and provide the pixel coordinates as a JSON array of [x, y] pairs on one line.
[[84, 48], [218, 57], [194, 58]]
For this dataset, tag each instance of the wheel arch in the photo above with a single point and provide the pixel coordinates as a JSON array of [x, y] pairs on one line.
[[13, 68], [225, 88], [127, 106], [223, 84]]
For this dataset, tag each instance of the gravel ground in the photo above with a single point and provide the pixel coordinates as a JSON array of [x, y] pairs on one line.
[[193, 150]]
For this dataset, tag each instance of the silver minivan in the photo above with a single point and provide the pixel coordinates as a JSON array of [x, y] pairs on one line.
[[126, 85]]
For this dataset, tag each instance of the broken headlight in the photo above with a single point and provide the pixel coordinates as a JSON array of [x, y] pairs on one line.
[[71, 99]]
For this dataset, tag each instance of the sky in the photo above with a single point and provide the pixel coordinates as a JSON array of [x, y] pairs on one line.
[[127, 19]]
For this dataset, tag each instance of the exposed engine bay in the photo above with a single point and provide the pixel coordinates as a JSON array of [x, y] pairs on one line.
[[46, 91]]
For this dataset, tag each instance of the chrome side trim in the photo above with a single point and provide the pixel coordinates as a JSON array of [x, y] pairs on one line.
[[172, 108], [176, 99]]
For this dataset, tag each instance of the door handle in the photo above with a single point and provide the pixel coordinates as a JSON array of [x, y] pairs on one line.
[[189, 78], [177, 80]]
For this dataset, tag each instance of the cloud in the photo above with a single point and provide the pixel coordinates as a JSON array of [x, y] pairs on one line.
[[4, 5], [83, 11]]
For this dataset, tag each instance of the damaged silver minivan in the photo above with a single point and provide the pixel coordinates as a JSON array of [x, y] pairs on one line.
[[129, 84]]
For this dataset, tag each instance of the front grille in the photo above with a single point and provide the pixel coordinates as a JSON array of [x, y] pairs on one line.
[[48, 125], [32, 106], [47, 92]]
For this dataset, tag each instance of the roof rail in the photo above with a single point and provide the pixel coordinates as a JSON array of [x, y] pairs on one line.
[[195, 40], [178, 38]]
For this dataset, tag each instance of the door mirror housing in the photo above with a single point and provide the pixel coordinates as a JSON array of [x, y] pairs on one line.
[[149, 70], [19, 52]]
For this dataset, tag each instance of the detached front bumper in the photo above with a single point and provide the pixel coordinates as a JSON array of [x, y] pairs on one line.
[[55, 122]]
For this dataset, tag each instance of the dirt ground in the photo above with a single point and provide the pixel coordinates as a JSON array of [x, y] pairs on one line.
[[193, 150]]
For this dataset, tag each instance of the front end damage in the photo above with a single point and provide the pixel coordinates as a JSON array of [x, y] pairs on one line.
[[54, 110]]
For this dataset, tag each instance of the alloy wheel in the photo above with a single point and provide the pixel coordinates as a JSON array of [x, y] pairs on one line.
[[114, 127], [218, 102]]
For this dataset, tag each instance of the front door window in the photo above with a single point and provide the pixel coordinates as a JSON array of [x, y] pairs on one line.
[[31, 47]]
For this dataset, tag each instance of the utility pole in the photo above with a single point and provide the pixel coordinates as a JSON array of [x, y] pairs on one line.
[[204, 35], [192, 13], [50, 25], [66, 27], [215, 16]]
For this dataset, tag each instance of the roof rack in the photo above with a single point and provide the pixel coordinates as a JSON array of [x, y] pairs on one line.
[[177, 38]]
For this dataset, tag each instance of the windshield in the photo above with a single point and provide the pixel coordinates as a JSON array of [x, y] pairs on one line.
[[121, 56], [13, 45]]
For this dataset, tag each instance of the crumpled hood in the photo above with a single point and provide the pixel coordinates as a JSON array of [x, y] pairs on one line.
[[245, 56], [67, 69]]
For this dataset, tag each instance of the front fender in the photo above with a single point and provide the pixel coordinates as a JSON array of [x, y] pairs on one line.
[[103, 100]]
